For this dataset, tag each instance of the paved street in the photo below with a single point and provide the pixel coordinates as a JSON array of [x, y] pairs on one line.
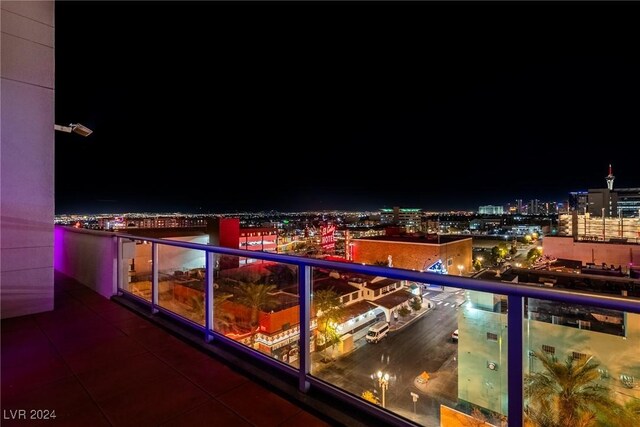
[[421, 345]]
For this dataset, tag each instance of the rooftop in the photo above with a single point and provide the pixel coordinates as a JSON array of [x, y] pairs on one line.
[[562, 279], [394, 299], [430, 239], [340, 286]]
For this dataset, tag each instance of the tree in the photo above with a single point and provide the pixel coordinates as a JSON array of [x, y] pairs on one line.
[[329, 314], [416, 303], [403, 311], [567, 394], [282, 275], [221, 318], [477, 264], [533, 255], [257, 297], [499, 252]]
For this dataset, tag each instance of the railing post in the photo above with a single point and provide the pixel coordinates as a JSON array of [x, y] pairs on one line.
[[208, 296], [304, 292], [119, 275], [154, 277], [514, 355]]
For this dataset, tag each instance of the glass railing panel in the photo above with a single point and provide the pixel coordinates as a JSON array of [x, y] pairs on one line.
[[136, 268], [256, 303], [181, 281], [580, 362], [434, 356]]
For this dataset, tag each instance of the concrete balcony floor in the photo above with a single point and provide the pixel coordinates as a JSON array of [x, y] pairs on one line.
[[98, 363]]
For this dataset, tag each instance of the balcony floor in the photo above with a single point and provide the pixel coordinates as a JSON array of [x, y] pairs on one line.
[[97, 363]]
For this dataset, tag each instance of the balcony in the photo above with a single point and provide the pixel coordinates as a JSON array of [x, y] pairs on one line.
[[276, 322], [93, 362]]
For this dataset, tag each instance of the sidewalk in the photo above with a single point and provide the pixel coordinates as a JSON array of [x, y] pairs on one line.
[[394, 325]]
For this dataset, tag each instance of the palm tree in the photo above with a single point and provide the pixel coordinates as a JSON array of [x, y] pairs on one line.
[[221, 318], [566, 394], [329, 313], [257, 297]]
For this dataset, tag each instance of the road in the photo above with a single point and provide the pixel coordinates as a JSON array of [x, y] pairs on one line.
[[424, 345]]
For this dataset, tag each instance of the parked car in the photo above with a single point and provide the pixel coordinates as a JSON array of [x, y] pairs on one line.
[[454, 336], [377, 332]]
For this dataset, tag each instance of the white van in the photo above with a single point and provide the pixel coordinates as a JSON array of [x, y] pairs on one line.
[[377, 332]]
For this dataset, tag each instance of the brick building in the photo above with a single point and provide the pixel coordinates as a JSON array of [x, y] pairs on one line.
[[415, 252]]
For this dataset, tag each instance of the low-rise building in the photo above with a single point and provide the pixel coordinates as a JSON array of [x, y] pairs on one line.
[[415, 252]]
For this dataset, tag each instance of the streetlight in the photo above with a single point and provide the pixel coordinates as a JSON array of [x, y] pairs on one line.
[[415, 397], [460, 268], [383, 381], [74, 127]]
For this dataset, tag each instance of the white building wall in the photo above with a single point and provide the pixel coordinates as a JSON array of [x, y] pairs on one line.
[[88, 256], [617, 354], [477, 383], [26, 156], [487, 388]]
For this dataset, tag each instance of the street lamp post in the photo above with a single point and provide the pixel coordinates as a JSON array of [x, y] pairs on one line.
[[460, 268], [414, 396], [383, 381]]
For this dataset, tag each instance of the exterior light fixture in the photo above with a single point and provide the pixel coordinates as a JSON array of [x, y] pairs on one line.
[[75, 128], [383, 381]]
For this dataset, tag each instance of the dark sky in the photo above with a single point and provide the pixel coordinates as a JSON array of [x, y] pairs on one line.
[[219, 107]]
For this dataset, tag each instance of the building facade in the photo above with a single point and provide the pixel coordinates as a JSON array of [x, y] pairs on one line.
[[259, 239], [625, 255], [597, 228], [415, 252], [491, 210], [410, 218], [482, 351]]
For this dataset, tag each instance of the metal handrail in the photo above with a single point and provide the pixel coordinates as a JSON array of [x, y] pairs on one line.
[[514, 291], [630, 304]]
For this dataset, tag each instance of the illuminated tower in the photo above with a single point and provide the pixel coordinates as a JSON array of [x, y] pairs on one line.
[[610, 179]]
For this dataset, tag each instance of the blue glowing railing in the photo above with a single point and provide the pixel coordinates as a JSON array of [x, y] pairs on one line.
[[514, 292]]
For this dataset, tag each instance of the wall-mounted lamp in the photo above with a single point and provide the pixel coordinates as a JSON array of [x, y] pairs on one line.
[[76, 128]]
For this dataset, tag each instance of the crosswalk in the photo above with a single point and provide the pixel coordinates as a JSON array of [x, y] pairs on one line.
[[456, 299], [440, 296]]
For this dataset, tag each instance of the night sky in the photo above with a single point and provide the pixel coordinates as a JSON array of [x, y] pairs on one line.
[[217, 107]]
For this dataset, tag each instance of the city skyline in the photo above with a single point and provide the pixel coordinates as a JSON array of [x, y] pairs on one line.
[[212, 108]]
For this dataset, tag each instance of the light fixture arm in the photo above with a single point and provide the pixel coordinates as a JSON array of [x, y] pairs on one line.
[[67, 129], [74, 127]]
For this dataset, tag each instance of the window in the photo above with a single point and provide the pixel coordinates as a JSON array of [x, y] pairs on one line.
[[548, 349], [492, 337], [579, 356], [584, 324]]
